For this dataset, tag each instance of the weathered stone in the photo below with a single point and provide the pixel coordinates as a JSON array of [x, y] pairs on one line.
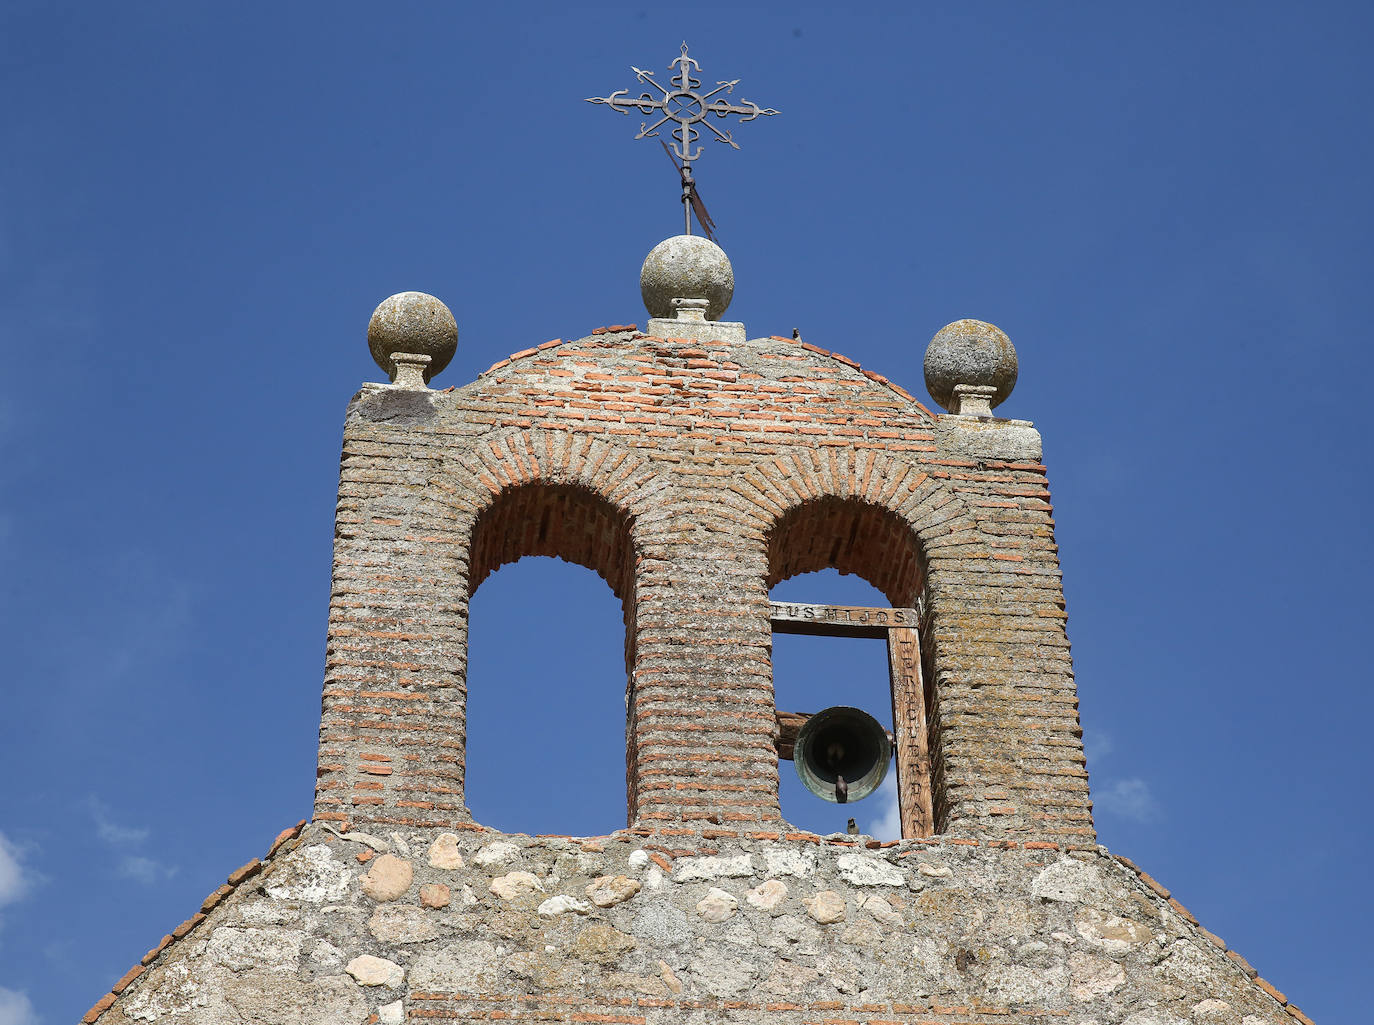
[[497, 853], [1191, 968], [669, 979], [607, 891], [969, 352], [1214, 1012], [825, 907], [865, 934], [1015, 984], [882, 911], [647, 985], [412, 322], [435, 895], [462, 967], [401, 923], [326, 955], [663, 924], [388, 877], [310, 874], [1091, 977], [241, 949], [1068, 881], [1108, 932], [686, 267], [392, 1013], [688, 870], [444, 853], [787, 862], [768, 896], [934, 870], [793, 936], [717, 905], [367, 839], [1038, 954], [789, 978], [602, 944], [515, 884], [863, 870], [370, 970], [562, 904], [843, 971], [1153, 1016], [722, 973], [260, 996]]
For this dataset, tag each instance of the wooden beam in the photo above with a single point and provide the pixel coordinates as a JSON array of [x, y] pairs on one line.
[[838, 620], [789, 725], [914, 799]]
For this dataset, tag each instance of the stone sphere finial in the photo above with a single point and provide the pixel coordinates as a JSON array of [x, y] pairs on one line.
[[686, 267], [415, 323], [970, 367]]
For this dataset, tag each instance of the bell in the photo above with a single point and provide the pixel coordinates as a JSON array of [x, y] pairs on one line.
[[842, 754]]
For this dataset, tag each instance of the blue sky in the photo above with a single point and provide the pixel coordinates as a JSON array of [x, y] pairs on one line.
[[1167, 207]]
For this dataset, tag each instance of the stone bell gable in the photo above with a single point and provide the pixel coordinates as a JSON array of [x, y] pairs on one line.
[[693, 469], [693, 476]]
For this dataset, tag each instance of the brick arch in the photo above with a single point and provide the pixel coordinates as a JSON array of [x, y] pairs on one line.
[[561, 495], [624, 480], [851, 536], [564, 521], [879, 492], [533, 493], [888, 522]]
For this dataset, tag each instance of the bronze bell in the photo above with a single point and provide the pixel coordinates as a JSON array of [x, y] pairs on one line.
[[842, 754]]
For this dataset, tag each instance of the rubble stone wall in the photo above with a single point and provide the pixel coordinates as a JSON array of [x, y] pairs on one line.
[[642, 928]]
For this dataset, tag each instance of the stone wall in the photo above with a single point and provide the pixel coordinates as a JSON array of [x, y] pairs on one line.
[[646, 928], [693, 476]]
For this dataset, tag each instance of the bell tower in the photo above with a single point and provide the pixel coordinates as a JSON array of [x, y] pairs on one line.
[[693, 468]]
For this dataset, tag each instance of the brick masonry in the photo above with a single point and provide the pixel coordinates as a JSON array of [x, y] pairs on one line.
[[692, 477]]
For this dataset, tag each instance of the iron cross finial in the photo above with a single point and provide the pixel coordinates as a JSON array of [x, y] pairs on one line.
[[688, 107]]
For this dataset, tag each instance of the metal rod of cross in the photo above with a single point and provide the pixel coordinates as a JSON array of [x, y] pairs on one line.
[[911, 745], [686, 106]]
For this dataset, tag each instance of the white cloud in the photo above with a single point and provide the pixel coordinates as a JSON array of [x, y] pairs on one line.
[[16, 1008], [145, 870], [125, 841], [1129, 798], [112, 832], [1098, 745], [14, 880], [886, 823]]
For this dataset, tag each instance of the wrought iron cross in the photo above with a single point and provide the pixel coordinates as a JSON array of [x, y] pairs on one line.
[[688, 107]]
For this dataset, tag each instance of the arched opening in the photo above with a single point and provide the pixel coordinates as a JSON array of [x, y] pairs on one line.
[[547, 662], [838, 552], [811, 673]]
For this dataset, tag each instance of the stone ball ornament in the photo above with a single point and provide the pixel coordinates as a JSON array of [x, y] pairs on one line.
[[686, 267], [412, 322], [970, 352]]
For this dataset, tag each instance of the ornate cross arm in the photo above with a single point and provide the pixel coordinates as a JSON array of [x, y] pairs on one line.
[[686, 106]]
